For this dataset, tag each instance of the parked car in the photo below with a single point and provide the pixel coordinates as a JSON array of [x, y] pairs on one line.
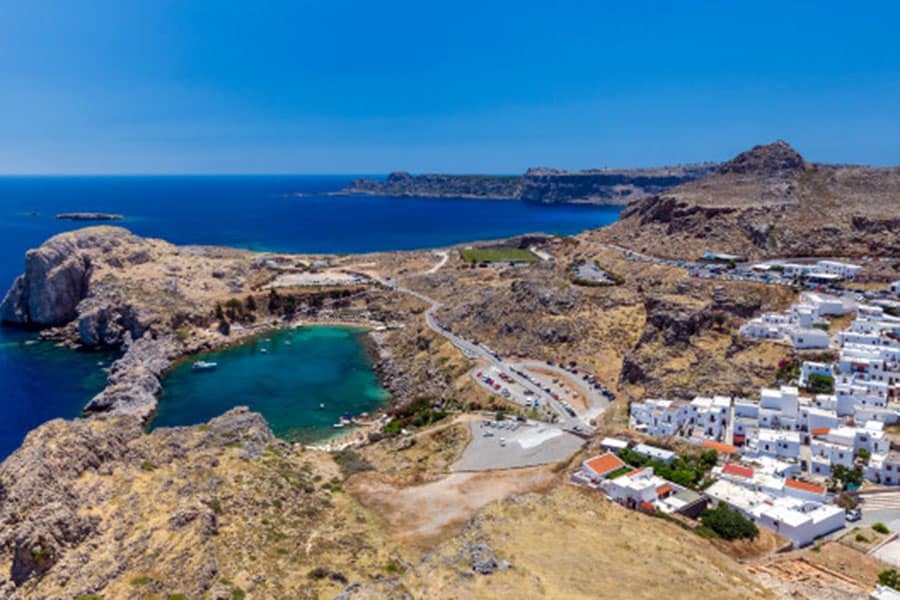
[[854, 514]]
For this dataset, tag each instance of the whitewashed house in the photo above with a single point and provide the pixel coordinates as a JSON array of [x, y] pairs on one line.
[[809, 338], [660, 417], [841, 269]]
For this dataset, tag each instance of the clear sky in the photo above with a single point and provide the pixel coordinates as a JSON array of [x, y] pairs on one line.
[[333, 86]]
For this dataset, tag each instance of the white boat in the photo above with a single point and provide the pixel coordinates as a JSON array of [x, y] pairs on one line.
[[202, 365], [264, 350], [322, 406]]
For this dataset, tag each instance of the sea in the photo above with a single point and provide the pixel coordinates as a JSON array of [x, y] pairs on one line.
[[291, 213]]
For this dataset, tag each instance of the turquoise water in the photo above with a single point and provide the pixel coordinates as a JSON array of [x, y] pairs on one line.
[[301, 369], [258, 212]]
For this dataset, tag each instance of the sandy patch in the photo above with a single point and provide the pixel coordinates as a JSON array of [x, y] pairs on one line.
[[421, 515]]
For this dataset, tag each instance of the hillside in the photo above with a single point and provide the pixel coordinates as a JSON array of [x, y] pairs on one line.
[[769, 202], [539, 185]]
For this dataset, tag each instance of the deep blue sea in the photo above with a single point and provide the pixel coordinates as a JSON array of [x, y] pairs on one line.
[[41, 382]]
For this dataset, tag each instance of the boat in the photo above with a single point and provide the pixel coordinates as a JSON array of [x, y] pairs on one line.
[[264, 350], [202, 365], [322, 406]]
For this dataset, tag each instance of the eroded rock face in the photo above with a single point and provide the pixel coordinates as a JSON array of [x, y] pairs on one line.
[[58, 274], [55, 280], [51, 482]]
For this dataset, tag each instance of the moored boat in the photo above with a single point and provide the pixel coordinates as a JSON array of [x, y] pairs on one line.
[[202, 365]]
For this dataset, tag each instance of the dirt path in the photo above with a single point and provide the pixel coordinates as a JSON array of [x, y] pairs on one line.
[[422, 515]]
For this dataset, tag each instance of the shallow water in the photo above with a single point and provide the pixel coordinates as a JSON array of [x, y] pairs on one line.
[[301, 369], [258, 212]]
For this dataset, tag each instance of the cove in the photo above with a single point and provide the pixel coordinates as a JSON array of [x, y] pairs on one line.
[[285, 376]]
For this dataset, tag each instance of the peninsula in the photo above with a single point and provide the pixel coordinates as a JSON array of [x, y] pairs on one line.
[[538, 185], [517, 368]]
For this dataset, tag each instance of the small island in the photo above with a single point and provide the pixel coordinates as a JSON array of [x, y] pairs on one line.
[[89, 216]]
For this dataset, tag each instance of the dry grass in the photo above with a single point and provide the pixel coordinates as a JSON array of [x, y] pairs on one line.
[[573, 544]]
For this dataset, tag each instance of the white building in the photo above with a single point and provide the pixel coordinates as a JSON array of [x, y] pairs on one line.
[[710, 416], [654, 453], [799, 520], [894, 288], [841, 269], [660, 417], [809, 338], [641, 488], [599, 467], [778, 444], [808, 368]]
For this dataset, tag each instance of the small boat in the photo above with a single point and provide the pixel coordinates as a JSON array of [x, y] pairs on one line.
[[338, 425], [322, 406], [202, 365], [264, 350]]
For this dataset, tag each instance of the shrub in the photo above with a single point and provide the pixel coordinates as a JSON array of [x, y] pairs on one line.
[[728, 523], [861, 538], [350, 462], [238, 594], [881, 528], [177, 597], [890, 578], [139, 580], [147, 466], [820, 384], [864, 454]]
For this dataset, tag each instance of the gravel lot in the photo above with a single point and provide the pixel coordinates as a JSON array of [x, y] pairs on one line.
[[530, 445]]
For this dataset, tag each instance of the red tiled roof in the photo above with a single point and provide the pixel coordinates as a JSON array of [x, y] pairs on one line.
[[738, 470], [647, 506], [723, 448], [635, 472], [663, 489], [805, 487], [820, 430], [604, 464]]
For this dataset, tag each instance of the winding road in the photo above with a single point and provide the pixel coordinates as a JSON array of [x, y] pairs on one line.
[[478, 352]]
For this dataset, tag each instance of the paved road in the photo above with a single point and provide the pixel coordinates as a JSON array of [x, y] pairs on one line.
[[741, 272], [478, 352]]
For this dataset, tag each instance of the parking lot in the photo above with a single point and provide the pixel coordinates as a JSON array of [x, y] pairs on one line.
[[511, 444]]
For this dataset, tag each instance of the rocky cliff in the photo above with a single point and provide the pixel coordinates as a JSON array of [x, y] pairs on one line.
[[605, 186], [542, 186], [104, 286], [95, 506], [769, 202]]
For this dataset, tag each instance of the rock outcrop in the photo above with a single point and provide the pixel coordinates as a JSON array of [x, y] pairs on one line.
[[56, 279], [89, 216], [65, 469], [769, 202]]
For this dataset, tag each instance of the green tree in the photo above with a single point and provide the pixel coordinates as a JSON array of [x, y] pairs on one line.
[[890, 578], [250, 304], [820, 384], [841, 477], [728, 523]]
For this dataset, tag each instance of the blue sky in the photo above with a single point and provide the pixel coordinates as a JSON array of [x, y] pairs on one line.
[[367, 87]]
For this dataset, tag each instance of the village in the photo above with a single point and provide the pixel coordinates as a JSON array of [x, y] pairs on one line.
[[806, 458]]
